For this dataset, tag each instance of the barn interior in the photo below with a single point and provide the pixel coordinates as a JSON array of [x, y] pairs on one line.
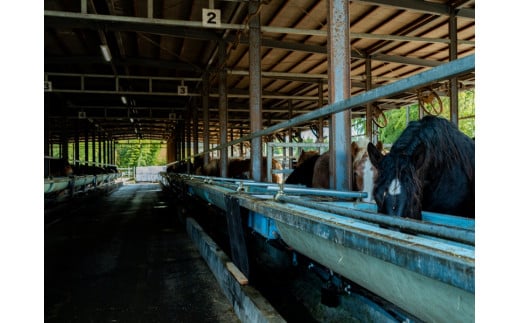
[[198, 75], [167, 66]]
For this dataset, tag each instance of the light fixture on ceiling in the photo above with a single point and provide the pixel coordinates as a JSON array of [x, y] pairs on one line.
[[123, 99], [106, 52]]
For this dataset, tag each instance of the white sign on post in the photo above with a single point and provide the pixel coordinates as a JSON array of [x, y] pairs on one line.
[[210, 17], [47, 86], [182, 90]]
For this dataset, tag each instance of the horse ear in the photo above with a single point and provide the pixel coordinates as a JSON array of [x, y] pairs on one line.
[[374, 154], [379, 146], [418, 156], [355, 148]]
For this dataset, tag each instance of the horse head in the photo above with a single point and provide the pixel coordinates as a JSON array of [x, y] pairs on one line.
[[306, 155], [364, 173], [303, 173], [397, 188]]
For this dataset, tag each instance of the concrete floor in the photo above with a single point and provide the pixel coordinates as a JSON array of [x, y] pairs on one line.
[[124, 257]]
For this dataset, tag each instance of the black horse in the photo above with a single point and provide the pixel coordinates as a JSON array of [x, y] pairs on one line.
[[304, 172], [182, 166], [430, 167]]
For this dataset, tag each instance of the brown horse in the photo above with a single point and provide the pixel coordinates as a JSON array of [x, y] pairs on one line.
[[321, 173], [364, 174]]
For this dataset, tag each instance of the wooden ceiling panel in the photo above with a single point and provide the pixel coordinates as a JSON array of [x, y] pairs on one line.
[[175, 46]]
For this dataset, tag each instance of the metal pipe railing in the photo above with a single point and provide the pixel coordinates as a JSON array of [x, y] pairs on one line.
[[283, 195], [450, 233], [441, 72], [316, 192]]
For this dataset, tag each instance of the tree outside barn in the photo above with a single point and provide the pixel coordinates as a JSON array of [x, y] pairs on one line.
[[143, 152]]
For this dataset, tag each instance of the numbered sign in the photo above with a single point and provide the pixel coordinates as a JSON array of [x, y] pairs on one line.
[[47, 86], [210, 17], [182, 90]]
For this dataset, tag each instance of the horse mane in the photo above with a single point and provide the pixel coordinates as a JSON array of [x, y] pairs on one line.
[[306, 155], [443, 143], [304, 172], [432, 145], [320, 176], [359, 149]]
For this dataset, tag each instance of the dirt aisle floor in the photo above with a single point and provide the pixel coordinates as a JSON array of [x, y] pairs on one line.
[[125, 258]]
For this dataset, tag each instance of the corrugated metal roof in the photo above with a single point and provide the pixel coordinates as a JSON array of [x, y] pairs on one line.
[[160, 44]]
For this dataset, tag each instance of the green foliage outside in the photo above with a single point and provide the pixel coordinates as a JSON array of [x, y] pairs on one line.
[[134, 153], [397, 119], [131, 153]]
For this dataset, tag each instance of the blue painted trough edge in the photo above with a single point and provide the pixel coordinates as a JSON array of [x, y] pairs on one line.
[[424, 266]]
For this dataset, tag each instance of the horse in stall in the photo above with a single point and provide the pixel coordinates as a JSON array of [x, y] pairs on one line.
[[430, 167], [304, 155], [303, 172], [58, 167], [241, 169], [314, 171], [363, 173], [183, 165]]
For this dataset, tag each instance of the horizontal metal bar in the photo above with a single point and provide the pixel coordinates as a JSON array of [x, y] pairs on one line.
[[212, 95], [264, 29], [237, 72], [280, 74], [214, 179], [441, 72], [406, 60], [410, 38], [432, 258], [423, 7], [450, 233], [131, 77], [316, 192], [177, 23], [297, 144], [293, 31]]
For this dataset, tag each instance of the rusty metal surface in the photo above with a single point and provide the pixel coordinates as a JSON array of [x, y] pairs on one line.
[[255, 89], [339, 85], [155, 47]]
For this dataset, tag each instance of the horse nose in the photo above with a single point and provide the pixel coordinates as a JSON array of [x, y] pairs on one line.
[[395, 208]]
